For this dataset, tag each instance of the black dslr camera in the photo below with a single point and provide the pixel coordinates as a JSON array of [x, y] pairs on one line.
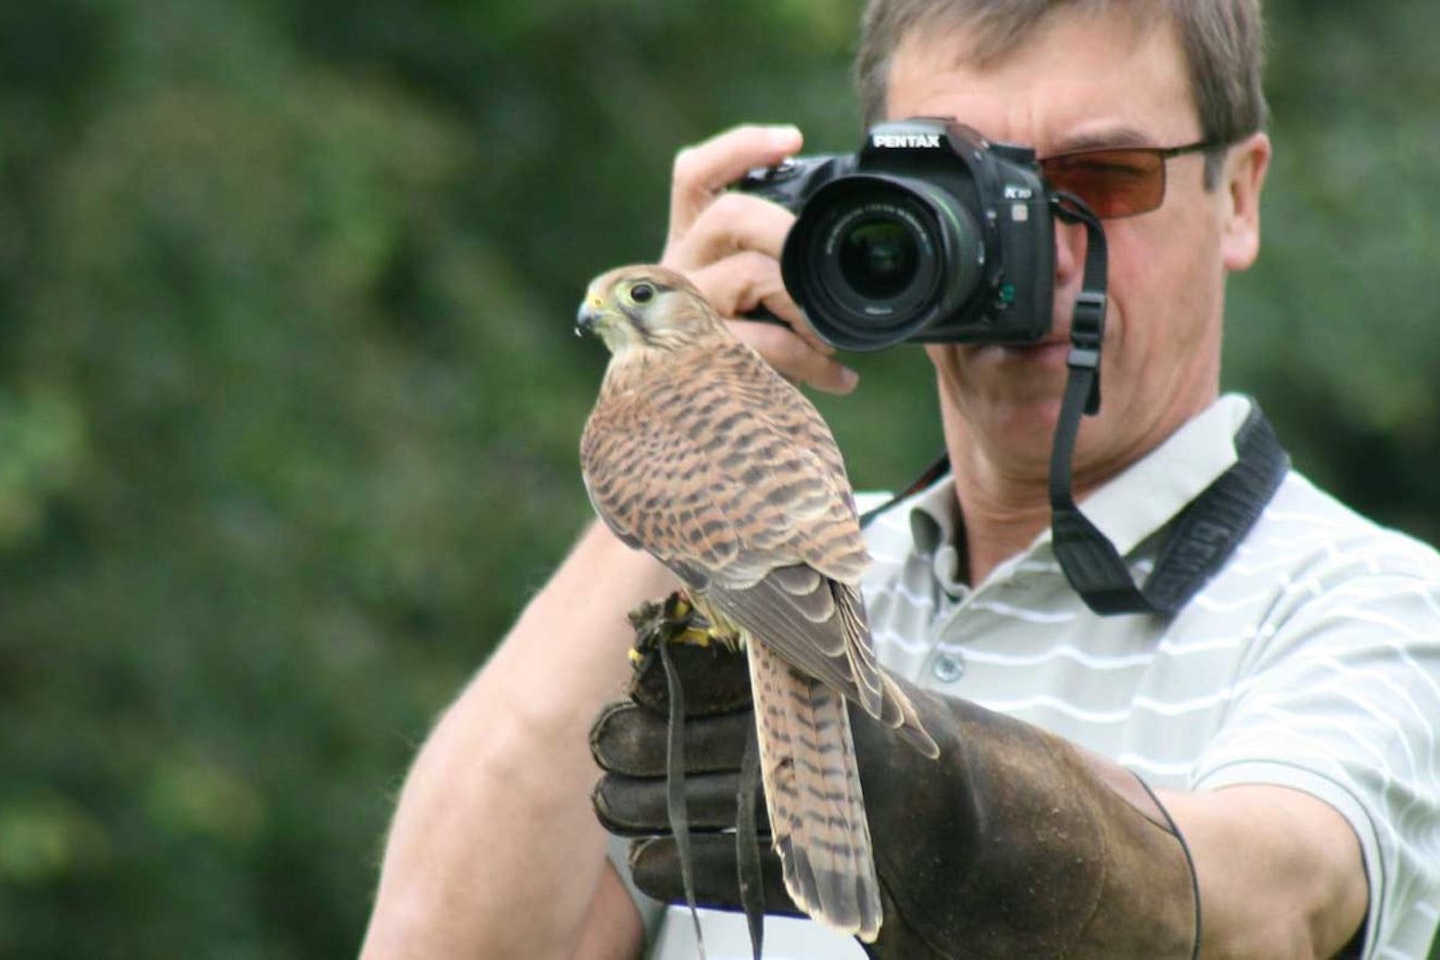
[[929, 233]]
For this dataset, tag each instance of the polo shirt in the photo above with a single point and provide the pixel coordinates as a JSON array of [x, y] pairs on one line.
[[1310, 660]]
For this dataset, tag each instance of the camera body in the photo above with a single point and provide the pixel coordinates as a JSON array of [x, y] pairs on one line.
[[927, 234]]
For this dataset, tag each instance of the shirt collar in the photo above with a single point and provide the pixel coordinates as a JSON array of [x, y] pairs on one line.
[[1147, 495], [1131, 507]]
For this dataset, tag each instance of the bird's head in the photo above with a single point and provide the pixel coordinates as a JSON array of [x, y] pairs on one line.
[[645, 307]]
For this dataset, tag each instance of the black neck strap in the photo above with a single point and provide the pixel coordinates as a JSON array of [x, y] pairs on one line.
[[1210, 527], [1201, 538], [1204, 534]]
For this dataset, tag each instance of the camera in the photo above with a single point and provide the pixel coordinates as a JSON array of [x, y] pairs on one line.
[[929, 233]]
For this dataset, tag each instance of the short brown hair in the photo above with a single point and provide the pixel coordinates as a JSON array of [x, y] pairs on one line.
[[1223, 41]]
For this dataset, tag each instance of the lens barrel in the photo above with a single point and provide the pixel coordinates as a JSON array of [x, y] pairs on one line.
[[875, 258]]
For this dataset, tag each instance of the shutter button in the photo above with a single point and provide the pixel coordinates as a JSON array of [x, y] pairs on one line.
[[948, 667]]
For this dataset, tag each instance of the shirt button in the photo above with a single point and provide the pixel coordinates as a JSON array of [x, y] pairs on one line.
[[948, 667]]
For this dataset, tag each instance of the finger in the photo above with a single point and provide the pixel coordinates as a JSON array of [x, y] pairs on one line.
[[627, 739], [745, 282], [703, 171], [638, 806], [784, 350], [655, 866], [729, 223]]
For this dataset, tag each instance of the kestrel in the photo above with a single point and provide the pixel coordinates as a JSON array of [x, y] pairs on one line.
[[700, 453]]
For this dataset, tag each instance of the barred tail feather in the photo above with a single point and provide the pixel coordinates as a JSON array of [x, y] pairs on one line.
[[812, 793]]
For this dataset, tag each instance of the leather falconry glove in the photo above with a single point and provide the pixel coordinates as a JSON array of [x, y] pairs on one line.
[[1014, 843]]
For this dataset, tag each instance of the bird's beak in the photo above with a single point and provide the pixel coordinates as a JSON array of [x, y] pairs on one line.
[[590, 317]]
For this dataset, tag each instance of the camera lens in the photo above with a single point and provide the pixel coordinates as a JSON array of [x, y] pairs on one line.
[[876, 265], [879, 257], [875, 259]]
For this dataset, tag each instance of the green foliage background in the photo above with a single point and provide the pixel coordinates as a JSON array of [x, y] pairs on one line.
[[289, 397]]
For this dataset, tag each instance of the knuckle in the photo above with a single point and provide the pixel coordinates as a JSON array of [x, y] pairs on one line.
[[716, 232], [714, 290], [688, 165], [733, 282], [779, 346], [761, 270], [728, 209]]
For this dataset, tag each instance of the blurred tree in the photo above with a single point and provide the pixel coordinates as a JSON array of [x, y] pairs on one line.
[[289, 401], [1334, 328]]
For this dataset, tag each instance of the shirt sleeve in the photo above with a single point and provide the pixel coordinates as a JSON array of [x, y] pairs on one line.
[[1339, 699]]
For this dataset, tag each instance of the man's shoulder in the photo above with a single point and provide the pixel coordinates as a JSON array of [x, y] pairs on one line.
[[1304, 520], [1310, 555]]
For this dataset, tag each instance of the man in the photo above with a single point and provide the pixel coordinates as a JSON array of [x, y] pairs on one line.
[[1283, 713]]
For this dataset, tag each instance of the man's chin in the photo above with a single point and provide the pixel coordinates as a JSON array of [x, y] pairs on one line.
[[1049, 354], [1023, 373], [1013, 388]]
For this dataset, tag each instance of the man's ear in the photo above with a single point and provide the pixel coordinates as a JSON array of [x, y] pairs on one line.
[[1243, 179]]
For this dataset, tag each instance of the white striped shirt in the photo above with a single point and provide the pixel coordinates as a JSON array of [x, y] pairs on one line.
[[1310, 660]]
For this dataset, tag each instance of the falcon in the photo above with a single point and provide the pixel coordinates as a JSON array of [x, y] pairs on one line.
[[701, 454]]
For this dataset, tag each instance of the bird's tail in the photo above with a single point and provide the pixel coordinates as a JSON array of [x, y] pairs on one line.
[[812, 794]]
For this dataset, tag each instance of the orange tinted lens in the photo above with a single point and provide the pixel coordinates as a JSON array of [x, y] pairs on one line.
[[1113, 183]]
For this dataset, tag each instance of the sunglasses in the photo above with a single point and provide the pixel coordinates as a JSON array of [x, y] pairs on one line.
[[1117, 182]]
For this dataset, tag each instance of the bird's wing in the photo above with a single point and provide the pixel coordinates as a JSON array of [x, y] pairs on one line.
[[721, 469], [729, 476], [813, 623], [645, 480]]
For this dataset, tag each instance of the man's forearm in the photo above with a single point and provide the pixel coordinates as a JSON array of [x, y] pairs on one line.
[[494, 850], [1299, 887]]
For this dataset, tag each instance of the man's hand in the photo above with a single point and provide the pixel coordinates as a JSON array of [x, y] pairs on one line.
[[1013, 843], [729, 245]]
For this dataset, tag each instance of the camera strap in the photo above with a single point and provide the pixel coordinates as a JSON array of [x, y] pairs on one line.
[[1210, 527], [1204, 534]]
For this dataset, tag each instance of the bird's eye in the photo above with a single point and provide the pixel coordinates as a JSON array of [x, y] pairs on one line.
[[642, 292]]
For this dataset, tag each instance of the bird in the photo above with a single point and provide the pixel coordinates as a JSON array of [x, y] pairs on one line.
[[702, 454]]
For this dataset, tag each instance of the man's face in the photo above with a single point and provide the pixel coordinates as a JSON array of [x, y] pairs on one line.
[[1094, 81]]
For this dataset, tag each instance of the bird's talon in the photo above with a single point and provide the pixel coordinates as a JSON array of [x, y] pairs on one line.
[[696, 636], [674, 620]]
